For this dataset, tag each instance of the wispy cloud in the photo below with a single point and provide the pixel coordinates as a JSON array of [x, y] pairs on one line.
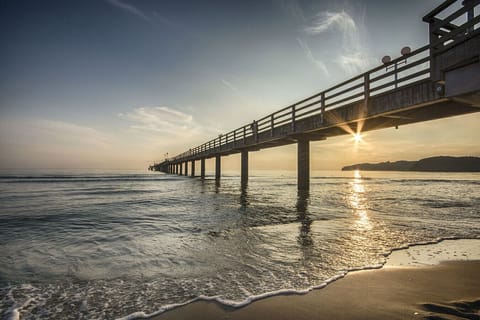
[[161, 119], [319, 64], [167, 129], [129, 8], [354, 55], [229, 85], [326, 20], [353, 62]]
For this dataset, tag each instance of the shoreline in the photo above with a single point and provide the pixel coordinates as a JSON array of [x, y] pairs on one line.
[[391, 293], [403, 290]]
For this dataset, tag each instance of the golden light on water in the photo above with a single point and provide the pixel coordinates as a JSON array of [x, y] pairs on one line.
[[359, 202], [356, 174]]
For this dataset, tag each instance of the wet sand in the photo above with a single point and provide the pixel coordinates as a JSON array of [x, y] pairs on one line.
[[450, 290]]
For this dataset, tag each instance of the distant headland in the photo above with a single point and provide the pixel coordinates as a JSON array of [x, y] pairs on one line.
[[442, 163]]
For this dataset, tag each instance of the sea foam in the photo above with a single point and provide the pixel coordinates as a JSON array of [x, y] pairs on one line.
[[415, 254]]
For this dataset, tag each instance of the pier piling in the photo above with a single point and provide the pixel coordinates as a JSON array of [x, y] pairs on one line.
[[217, 167], [202, 168], [303, 164], [244, 167]]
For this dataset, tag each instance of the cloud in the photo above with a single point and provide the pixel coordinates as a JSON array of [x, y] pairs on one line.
[[166, 129], [353, 62], [354, 56], [129, 8], [326, 20], [319, 64], [166, 121], [229, 85], [161, 119]]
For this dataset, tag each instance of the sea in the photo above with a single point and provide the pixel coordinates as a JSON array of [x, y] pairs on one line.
[[128, 244]]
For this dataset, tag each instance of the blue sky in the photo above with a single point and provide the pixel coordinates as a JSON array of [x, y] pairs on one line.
[[118, 83]]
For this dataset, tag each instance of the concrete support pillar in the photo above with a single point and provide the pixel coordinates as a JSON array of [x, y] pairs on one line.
[[181, 168], [217, 167], [303, 164], [193, 168], [202, 168], [176, 169], [186, 168], [244, 167]]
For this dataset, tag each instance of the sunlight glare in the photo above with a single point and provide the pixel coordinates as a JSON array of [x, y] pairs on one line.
[[357, 174], [357, 137]]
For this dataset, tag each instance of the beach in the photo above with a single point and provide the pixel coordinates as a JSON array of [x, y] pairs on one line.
[[450, 290], [436, 281]]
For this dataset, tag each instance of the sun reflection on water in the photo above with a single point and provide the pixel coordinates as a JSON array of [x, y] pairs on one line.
[[359, 202]]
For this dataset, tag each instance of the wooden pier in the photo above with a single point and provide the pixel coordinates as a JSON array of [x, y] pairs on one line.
[[438, 80]]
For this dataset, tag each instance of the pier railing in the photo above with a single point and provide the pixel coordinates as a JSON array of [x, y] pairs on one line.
[[399, 72], [408, 69]]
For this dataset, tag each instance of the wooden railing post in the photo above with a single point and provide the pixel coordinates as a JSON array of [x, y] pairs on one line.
[[293, 118], [322, 107], [272, 124], [366, 93]]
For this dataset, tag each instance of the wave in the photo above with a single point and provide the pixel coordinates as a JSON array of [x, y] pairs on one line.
[[285, 291], [75, 179]]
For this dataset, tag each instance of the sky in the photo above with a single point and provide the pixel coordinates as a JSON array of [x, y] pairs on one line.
[[117, 84]]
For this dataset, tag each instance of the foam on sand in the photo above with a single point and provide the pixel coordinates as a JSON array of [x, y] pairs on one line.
[[432, 254], [419, 254]]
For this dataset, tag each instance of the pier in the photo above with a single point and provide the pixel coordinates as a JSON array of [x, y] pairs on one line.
[[438, 80]]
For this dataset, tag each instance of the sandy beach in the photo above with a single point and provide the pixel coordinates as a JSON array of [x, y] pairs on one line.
[[430, 281], [449, 290]]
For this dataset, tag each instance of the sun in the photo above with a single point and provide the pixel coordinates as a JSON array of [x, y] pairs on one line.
[[357, 137]]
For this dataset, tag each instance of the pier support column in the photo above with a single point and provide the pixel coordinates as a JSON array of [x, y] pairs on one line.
[[181, 168], [177, 169], [193, 168], [244, 168], [217, 167], [186, 168], [303, 164], [202, 168]]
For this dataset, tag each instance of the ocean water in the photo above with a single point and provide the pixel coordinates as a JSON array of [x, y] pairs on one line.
[[108, 245]]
